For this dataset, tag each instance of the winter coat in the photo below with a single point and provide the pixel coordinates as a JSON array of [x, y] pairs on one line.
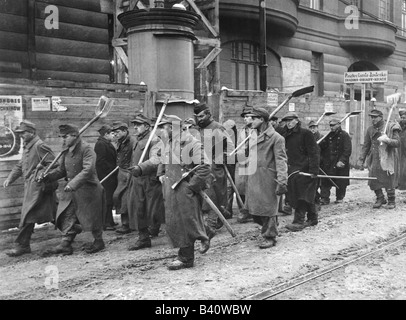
[[303, 156], [39, 203], [216, 144], [402, 160], [145, 203], [106, 157], [267, 168], [78, 167], [124, 153], [382, 160], [183, 214], [334, 148]]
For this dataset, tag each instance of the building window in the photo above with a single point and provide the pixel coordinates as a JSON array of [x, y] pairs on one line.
[[385, 9], [245, 66], [316, 4], [317, 73], [403, 18], [358, 4]]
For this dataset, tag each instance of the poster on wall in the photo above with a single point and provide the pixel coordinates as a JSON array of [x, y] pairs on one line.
[[11, 114], [41, 104]]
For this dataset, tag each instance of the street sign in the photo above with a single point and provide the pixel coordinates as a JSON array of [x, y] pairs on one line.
[[366, 76]]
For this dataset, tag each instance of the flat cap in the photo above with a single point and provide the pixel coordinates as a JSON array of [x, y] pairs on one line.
[[333, 122], [274, 118], [140, 118], [119, 125], [169, 119], [245, 111], [290, 115], [104, 129], [68, 129], [200, 107], [258, 112], [402, 112], [312, 123], [25, 125], [375, 113]]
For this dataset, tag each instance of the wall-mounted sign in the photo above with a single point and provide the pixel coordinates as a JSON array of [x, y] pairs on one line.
[[329, 107], [11, 114], [272, 99], [366, 76], [41, 104], [292, 106]]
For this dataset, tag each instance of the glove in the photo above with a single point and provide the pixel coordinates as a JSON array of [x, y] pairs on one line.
[[340, 164], [136, 171], [281, 189], [6, 183], [384, 138], [68, 189]]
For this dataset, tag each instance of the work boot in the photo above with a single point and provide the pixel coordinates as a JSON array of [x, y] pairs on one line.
[[324, 201], [19, 250], [391, 199], [266, 243], [97, 245], [244, 216], [298, 223], [177, 264], [140, 244], [204, 246], [380, 199], [287, 210], [124, 229], [64, 247], [210, 232], [154, 230]]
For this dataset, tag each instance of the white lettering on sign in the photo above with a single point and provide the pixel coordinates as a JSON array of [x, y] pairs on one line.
[[366, 76]]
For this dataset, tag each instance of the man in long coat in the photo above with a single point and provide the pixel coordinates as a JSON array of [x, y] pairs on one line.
[[82, 198], [106, 158], [39, 203], [267, 176], [402, 151], [146, 200], [336, 150], [124, 152], [303, 156], [380, 152], [183, 214], [216, 144]]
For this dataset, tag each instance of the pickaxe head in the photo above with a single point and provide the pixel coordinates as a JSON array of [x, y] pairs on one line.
[[302, 91]]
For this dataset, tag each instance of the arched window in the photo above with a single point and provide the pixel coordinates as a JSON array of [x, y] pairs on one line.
[[245, 65]]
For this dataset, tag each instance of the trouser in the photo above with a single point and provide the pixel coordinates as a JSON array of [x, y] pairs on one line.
[[67, 222], [24, 235], [187, 254], [143, 234], [125, 220], [325, 192], [269, 225], [304, 207], [108, 219]]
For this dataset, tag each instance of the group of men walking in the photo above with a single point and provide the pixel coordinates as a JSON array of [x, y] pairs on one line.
[[154, 179]]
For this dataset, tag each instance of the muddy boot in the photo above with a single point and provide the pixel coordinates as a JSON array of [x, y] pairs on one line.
[[298, 223], [97, 246], [65, 248], [19, 250], [244, 216], [391, 199], [380, 199], [312, 216]]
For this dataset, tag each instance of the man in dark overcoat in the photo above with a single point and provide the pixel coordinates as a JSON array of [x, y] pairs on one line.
[[380, 152], [82, 198], [106, 162], [402, 151], [146, 200], [183, 214], [267, 176], [125, 143], [39, 203], [303, 156], [217, 145], [336, 150]]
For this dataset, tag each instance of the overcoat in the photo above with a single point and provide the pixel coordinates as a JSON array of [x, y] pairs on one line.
[[303, 156], [267, 168], [373, 152], [39, 203], [146, 206], [402, 160], [78, 167], [183, 214], [334, 148], [106, 162]]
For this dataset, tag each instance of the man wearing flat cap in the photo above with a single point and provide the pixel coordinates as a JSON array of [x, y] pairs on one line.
[[183, 153], [267, 176], [303, 156], [217, 144], [146, 207], [39, 203], [125, 143], [82, 197], [335, 155], [106, 157], [314, 128], [402, 151], [380, 152]]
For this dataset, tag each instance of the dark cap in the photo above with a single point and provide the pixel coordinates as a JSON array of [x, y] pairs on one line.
[[246, 111], [200, 107], [259, 112], [333, 122], [312, 123], [169, 119], [376, 113], [68, 129], [402, 112], [140, 118], [104, 129], [25, 125], [290, 115], [274, 118], [119, 125]]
